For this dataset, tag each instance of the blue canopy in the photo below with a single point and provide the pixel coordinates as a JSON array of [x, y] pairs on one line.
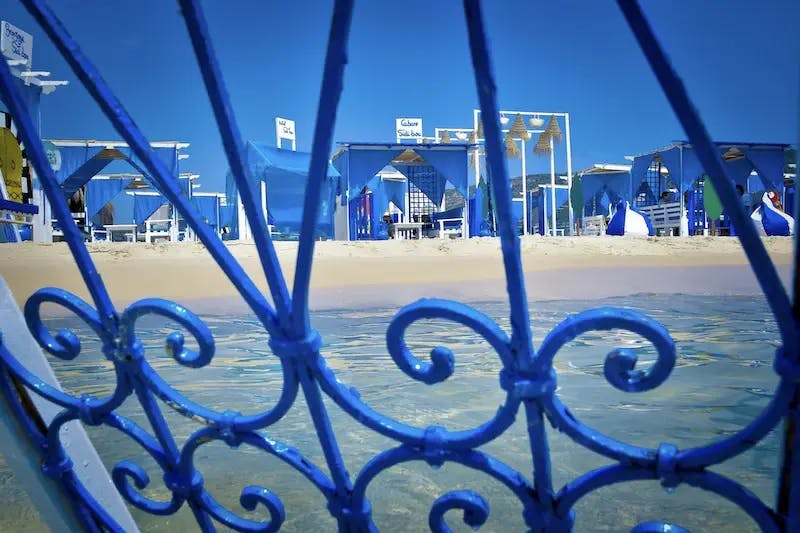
[[286, 174], [386, 191], [81, 162], [741, 158], [360, 162], [614, 183], [101, 191], [208, 208], [144, 205]]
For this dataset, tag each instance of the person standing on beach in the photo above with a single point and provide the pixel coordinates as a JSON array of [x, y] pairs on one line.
[[107, 214], [745, 199]]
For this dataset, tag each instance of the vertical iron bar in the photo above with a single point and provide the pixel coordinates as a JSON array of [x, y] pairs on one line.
[[231, 140], [330, 92], [521, 341]]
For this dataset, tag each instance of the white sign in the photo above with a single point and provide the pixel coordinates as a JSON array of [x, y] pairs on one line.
[[284, 129], [15, 43], [408, 128], [53, 155]]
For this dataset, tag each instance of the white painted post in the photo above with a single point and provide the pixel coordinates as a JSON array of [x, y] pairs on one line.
[[477, 147], [569, 176], [524, 192], [264, 208], [244, 225], [680, 194], [552, 187]]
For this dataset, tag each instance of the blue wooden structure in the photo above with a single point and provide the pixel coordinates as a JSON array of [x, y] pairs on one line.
[[528, 378], [678, 167], [427, 168]]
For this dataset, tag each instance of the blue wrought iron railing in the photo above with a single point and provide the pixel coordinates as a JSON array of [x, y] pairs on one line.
[[527, 377]]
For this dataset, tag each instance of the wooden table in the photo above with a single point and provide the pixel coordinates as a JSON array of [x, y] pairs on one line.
[[128, 229], [401, 227]]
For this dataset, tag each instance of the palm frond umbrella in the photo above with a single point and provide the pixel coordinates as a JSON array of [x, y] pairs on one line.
[[518, 129], [511, 147], [472, 138], [553, 129], [480, 129], [445, 138], [542, 146]]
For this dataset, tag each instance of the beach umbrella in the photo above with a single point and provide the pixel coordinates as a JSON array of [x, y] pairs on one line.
[[711, 202], [542, 146], [480, 129], [445, 138], [518, 129], [553, 129], [511, 147]]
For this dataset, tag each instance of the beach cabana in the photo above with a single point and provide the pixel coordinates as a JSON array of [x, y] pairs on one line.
[[675, 169], [602, 185], [78, 165], [210, 206], [279, 179], [105, 191], [427, 169], [541, 201]]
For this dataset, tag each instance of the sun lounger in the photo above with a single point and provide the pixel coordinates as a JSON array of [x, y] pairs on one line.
[[665, 218]]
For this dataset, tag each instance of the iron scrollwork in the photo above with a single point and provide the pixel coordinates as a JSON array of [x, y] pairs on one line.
[[527, 376]]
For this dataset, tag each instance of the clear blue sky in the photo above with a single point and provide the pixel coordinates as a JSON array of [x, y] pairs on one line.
[[739, 59]]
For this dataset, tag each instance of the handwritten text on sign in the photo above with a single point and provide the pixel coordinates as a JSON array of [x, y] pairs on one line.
[[408, 128], [284, 128], [15, 43]]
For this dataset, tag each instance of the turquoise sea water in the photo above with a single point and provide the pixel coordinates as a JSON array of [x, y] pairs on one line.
[[722, 380]]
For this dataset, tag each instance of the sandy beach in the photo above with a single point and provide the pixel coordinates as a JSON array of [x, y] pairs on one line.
[[355, 274]]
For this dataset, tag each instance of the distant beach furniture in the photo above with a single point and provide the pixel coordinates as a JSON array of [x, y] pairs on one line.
[[629, 221], [770, 220]]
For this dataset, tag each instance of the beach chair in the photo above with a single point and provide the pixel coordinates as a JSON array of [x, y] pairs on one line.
[[449, 223], [99, 233], [16, 219], [158, 230], [594, 226]]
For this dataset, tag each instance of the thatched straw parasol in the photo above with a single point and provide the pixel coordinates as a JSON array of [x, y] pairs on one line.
[[518, 129], [552, 131], [445, 138], [511, 147]]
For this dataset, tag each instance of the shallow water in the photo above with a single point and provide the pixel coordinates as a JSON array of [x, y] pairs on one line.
[[722, 380]]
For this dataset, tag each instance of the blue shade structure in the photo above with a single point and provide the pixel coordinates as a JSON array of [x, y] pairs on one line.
[[527, 378]]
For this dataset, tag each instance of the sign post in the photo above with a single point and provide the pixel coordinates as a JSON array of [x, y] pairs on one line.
[[284, 129], [408, 128]]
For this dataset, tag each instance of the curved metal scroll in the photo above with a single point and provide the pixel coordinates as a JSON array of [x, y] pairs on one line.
[[527, 376]]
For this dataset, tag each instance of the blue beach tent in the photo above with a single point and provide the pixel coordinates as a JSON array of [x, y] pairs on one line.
[[285, 173]]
